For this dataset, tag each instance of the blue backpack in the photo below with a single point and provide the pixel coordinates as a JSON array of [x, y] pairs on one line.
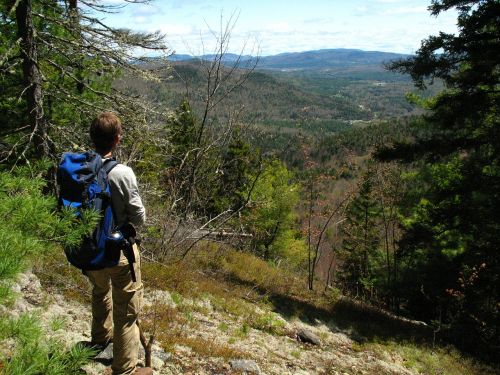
[[83, 184]]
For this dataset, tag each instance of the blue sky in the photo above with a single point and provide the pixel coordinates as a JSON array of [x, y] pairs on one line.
[[275, 26]]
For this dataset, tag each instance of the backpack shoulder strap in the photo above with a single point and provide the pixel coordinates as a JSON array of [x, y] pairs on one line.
[[109, 164]]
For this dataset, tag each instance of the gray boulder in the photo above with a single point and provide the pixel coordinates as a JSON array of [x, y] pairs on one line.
[[245, 365], [305, 335]]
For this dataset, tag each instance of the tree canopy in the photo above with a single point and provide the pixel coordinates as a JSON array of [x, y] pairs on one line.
[[451, 240]]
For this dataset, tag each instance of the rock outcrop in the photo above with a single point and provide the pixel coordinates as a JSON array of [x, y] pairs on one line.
[[327, 349]]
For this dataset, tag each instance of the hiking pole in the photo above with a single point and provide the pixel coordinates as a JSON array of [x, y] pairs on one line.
[[147, 345]]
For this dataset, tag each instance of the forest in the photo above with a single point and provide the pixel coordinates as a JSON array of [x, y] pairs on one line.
[[375, 187]]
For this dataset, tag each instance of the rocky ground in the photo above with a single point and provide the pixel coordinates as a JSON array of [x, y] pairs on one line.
[[294, 347]]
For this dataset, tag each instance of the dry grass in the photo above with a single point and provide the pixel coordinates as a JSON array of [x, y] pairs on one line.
[[56, 274], [173, 328], [227, 274], [423, 359]]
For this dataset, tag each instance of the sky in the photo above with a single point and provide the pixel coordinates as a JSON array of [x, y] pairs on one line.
[[269, 27]]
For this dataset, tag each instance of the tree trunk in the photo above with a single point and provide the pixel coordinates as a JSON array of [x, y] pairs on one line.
[[395, 269], [32, 78], [329, 273], [310, 273], [270, 241], [365, 253]]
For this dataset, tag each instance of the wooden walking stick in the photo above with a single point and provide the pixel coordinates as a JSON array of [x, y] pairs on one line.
[[147, 345]]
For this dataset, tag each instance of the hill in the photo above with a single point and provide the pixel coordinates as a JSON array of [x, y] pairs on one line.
[[263, 97], [268, 98], [280, 105], [339, 85], [309, 60], [327, 59], [333, 97]]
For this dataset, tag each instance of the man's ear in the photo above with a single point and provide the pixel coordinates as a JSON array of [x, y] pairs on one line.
[[116, 142]]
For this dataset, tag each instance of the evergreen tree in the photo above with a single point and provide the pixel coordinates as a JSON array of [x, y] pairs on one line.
[[238, 164], [451, 244], [205, 176], [31, 227], [362, 237], [182, 131], [32, 230]]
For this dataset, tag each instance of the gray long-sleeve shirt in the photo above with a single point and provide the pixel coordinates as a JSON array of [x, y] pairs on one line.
[[125, 198]]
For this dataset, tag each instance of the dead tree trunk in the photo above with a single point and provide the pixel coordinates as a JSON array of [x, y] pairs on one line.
[[32, 78]]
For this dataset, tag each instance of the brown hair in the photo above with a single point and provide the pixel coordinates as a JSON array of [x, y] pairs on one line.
[[104, 130]]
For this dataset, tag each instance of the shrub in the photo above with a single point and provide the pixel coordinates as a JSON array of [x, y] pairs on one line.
[[31, 230], [33, 354]]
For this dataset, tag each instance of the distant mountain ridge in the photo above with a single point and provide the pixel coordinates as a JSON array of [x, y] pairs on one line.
[[308, 60]]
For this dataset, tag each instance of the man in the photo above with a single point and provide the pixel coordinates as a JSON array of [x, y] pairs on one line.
[[116, 298]]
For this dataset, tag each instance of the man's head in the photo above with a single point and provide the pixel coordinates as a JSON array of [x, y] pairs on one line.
[[106, 132]]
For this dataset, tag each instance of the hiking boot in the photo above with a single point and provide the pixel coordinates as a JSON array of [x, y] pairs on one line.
[[138, 371], [143, 371]]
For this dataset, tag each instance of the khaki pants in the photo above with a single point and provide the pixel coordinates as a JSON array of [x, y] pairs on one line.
[[116, 301]]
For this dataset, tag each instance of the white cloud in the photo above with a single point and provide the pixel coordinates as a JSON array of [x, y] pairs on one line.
[[277, 27], [115, 3], [145, 13], [171, 29], [178, 4], [385, 25], [147, 10], [363, 10], [318, 21], [405, 10]]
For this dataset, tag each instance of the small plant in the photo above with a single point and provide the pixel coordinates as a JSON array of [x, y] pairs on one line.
[[56, 274], [426, 360], [189, 317], [58, 322], [34, 354], [177, 298], [295, 354], [244, 330], [210, 348], [268, 322], [231, 305], [357, 347], [6, 295], [224, 327]]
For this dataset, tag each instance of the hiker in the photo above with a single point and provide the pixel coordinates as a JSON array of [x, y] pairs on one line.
[[116, 298]]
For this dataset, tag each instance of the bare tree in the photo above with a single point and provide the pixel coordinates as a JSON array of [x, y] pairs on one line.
[[199, 168], [221, 79]]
